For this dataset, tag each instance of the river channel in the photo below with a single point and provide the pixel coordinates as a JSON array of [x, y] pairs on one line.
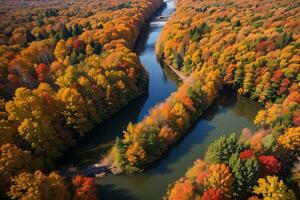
[[229, 113]]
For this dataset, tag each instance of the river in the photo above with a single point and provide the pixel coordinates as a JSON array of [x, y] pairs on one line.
[[229, 113]]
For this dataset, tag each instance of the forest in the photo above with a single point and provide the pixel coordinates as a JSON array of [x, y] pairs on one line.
[[255, 46], [68, 66], [62, 71]]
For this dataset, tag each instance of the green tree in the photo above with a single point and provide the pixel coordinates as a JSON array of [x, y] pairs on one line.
[[223, 148], [246, 173]]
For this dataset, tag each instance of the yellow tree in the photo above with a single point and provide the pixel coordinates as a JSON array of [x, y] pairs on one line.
[[271, 188], [76, 111], [61, 50], [38, 187], [12, 162]]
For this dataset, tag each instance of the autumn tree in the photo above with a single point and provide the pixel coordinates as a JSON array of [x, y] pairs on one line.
[[13, 161], [85, 188], [273, 188], [38, 186]]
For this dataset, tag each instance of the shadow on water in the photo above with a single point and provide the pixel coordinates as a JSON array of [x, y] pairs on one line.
[[226, 102], [229, 113], [225, 116], [115, 193], [96, 143]]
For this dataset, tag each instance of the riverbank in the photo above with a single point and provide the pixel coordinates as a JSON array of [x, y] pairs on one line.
[[229, 113], [177, 72], [91, 149]]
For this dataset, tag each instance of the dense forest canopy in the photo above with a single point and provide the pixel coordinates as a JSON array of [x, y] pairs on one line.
[[65, 66], [255, 45], [216, 44]]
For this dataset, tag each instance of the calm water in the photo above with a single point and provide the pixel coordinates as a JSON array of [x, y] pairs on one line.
[[161, 83], [229, 113]]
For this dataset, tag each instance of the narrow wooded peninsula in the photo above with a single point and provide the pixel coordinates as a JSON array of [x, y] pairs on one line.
[[149, 99]]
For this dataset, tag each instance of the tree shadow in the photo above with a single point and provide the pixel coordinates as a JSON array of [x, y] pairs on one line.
[[111, 192], [96, 143], [195, 136]]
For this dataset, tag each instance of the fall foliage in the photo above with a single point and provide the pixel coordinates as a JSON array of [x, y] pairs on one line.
[[255, 47], [145, 141], [65, 67]]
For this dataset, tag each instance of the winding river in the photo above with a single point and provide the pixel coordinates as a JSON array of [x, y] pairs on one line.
[[230, 113]]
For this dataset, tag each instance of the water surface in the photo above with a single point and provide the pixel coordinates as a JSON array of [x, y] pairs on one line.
[[162, 82], [229, 113]]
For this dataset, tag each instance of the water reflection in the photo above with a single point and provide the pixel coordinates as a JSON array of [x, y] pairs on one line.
[[95, 144], [223, 117], [90, 149]]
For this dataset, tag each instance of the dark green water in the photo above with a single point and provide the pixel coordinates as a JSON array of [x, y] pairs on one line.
[[162, 82], [229, 113]]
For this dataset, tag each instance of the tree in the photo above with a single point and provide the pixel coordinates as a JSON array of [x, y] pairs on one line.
[[89, 50], [38, 187], [135, 153], [167, 134], [220, 177], [69, 78], [13, 161], [246, 172], [118, 154], [34, 122], [42, 71], [284, 39], [270, 164], [222, 149], [79, 45], [74, 58], [76, 113], [76, 29], [85, 188], [244, 155], [296, 172], [39, 132], [198, 167], [7, 128], [182, 190], [212, 194], [61, 50], [290, 139], [178, 61], [273, 189], [64, 33]]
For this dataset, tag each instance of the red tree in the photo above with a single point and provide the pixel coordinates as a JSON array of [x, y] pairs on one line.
[[85, 188], [79, 45], [212, 194], [270, 164], [42, 72], [247, 154]]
